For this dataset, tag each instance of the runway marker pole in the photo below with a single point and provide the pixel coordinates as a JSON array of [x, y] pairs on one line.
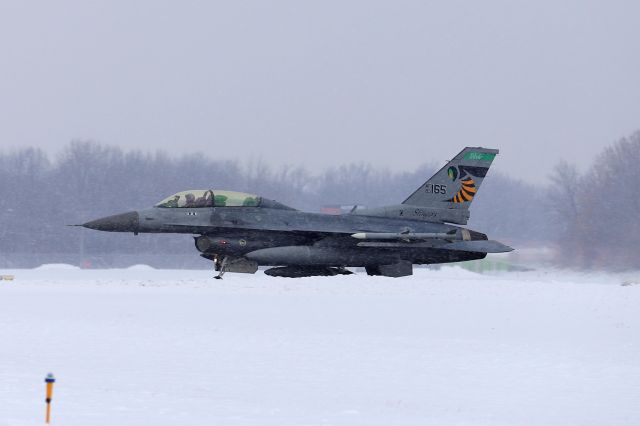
[[49, 380]]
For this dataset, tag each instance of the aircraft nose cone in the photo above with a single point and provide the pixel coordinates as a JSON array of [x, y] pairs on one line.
[[124, 222]]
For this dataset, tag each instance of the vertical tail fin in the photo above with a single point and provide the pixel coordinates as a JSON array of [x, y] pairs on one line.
[[455, 185]]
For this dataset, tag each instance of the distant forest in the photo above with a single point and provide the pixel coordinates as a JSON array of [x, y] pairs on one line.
[[590, 219]]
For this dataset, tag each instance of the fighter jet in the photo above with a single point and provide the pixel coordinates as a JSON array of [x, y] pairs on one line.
[[240, 232]]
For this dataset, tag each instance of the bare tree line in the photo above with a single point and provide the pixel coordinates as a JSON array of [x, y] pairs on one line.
[[596, 214], [590, 218]]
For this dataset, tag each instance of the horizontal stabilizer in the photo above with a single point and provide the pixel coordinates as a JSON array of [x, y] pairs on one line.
[[479, 246]]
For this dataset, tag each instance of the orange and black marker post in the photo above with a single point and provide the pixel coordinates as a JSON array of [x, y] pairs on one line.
[[49, 380]]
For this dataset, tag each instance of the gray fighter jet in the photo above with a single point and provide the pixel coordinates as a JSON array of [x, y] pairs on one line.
[[240, 232]]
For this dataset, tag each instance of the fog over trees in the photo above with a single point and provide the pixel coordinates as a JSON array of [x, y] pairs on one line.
[[596, 214], [591, 219]]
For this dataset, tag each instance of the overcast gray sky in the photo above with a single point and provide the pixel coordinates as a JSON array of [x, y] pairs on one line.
[[393, 83]]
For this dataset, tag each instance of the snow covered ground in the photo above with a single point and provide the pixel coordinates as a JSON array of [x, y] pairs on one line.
[[140, 346]]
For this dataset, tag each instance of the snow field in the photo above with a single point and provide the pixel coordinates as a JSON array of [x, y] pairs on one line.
[[449, 347]]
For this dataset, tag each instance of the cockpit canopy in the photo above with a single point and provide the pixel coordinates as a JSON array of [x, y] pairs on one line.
[[210, 198]]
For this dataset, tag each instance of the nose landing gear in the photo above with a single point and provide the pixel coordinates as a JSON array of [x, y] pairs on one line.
[[223, 264], [220, 266]]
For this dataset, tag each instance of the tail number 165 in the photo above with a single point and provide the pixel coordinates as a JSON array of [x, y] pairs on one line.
[[436, 189]]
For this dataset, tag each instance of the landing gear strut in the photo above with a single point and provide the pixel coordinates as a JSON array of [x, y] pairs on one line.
[[220, 266], [225, 263]]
